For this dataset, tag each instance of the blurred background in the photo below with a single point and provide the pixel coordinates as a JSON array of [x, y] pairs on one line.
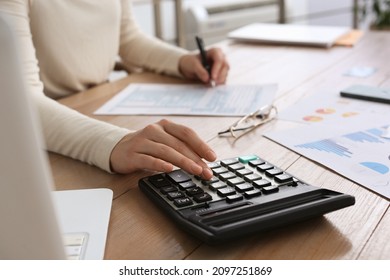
[[178, 21]]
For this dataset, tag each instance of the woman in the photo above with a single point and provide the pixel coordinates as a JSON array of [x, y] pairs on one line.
[[69, 46]]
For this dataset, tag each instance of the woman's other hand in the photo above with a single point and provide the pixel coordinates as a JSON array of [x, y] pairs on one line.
[[191, 67]]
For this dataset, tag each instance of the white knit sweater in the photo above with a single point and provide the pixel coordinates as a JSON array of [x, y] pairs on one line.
[[68, 46]]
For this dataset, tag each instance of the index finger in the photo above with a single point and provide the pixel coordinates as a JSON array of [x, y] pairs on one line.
[[218, 61], [189, 136]]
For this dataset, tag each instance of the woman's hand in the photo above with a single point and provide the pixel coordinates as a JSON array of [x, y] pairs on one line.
[[191, 67], [160, 147]]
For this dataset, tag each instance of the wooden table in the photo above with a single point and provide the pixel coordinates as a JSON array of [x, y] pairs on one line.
[[139, 230]]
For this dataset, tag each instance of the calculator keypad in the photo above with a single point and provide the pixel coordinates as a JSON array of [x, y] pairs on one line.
[[234, 180]]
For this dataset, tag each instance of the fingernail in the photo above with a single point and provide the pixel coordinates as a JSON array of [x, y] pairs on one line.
[[207, 173], [167, 167], [211, 155], [196, 169]]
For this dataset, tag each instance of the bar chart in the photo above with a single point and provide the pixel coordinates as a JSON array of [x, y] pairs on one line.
[[362, 155]]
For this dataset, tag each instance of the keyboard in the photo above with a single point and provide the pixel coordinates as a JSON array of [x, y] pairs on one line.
[[75, 244], [246, 195]]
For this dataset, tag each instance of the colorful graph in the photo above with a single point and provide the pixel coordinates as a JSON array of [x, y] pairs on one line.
[[349, 114], [327, 145], [369, 136], [375, 166], [312, 118], [363, 137], [331, 146], [325, 111], [362, 155], [379, 132]]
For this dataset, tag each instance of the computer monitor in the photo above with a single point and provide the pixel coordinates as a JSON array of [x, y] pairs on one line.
[[33, 217]]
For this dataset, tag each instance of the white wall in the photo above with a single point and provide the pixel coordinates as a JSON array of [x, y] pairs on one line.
[[143, 14], [329, 12]]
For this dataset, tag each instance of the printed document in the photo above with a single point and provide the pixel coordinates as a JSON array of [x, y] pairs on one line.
[[168, 99]]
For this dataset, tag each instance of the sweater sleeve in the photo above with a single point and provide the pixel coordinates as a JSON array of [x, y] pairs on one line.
[[66, 131], [141, 50]]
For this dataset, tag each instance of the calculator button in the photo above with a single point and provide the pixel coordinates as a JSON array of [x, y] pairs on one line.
[[264, 167], [217, 185], [252, 193], [256, 162], [227, 175], [213, 165], [159, 181], [202, 197], [174, 195], [228, 162], [243, 172], [272, 172], [194, 191], [261, 183], [235, 181], [186, 185], [246, 159], [234, 197], [220, 170], [211, 181], [283, 178], [252, 177], [168, 189], [181, 202], [244, 187], [178, 176], [270, 189], [235, 167], [226, 191]]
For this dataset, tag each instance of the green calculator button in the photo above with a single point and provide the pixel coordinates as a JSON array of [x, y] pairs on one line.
[[246, 159]]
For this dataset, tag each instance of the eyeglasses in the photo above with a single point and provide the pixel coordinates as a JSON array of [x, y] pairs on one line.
[[250, 122]]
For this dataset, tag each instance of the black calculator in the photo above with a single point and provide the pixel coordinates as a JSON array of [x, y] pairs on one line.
[[246, 195]]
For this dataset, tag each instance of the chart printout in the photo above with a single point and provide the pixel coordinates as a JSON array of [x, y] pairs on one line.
[[361, 154]]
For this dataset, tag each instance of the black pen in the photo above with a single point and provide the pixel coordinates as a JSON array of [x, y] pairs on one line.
[[203, 57]]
